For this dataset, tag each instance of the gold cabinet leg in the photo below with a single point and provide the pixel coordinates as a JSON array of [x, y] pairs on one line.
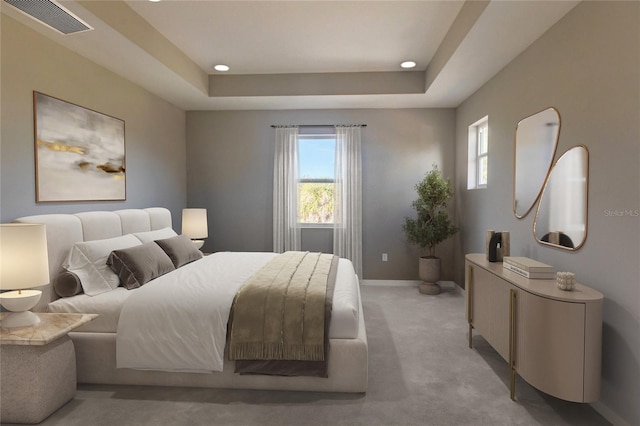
[[512, 342], [469, 290]]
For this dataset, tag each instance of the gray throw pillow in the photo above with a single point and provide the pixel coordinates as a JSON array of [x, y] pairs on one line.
[[136, 266], [67, 284], [180, 249]]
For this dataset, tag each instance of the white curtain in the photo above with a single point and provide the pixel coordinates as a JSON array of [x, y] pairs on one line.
[[347, 233], [286, 234]]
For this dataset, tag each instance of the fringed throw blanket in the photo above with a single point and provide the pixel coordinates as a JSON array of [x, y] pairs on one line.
[[282, 313]]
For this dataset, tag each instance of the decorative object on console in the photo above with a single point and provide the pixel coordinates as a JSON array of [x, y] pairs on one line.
[[431, 227], [566, 280], [80, 153], [498, 245], [194, 225], [529, 268], [24, 264]]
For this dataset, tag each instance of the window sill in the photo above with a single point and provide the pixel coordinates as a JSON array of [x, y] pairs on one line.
[[316, 225]]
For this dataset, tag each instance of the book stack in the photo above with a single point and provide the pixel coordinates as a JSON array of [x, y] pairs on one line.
[[529, 268]]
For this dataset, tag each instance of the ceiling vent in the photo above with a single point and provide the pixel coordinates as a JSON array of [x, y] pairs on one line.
[[51, 14]]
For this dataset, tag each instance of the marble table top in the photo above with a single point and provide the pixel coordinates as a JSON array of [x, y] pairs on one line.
[[50, 328]]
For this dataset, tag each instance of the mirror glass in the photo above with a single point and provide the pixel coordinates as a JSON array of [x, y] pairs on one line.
[[561, 218], [535, 146]]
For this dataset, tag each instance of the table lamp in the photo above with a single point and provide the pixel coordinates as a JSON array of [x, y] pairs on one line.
[[23, 264], [194, 225]]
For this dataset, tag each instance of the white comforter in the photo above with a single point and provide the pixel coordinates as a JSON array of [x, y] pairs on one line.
[[166, 324]]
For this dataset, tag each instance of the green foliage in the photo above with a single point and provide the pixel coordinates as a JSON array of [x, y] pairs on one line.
[[315, 202], [433, 225]]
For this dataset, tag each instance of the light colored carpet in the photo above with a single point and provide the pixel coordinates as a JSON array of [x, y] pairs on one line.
[[421, 372]]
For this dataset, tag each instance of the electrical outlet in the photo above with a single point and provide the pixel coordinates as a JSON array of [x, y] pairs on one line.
[[385, 257]]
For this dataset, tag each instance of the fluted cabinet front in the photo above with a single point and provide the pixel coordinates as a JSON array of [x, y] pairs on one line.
[[551, 338]]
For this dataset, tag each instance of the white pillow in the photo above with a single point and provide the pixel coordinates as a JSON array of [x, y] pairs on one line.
[[88, 260], [159, 234]]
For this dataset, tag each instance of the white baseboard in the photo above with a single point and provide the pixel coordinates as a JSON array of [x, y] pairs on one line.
[[407, 283], [608, 414], [391, 283]]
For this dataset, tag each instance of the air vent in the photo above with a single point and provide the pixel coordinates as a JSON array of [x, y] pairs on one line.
[[51, 14]]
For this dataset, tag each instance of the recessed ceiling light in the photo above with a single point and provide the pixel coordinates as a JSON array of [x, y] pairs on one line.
[[154, 1], [408, 64], [221, 67]]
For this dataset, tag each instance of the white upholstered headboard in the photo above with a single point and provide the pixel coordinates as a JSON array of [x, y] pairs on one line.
[[64, 230]]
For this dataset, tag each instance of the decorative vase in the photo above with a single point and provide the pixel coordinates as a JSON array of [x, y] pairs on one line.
[[566, 281], [497, 245], [429, 273]]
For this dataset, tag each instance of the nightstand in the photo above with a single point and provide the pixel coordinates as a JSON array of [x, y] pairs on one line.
[[38, 367]]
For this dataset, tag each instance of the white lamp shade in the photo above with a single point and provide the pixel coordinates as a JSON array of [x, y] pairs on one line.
[[194, 223], [23, 256]]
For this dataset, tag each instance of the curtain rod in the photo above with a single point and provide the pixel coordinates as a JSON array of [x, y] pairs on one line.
[[315, 125]]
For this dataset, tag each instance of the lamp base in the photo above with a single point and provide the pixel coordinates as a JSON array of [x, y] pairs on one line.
[[19, 302], [198, 243], [20, 319]]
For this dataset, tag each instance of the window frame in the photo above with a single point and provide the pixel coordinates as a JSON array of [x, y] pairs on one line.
[[482, 131], [477, 131], [299, 180]]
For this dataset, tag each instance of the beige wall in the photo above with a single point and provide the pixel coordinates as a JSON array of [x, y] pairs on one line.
[[588, 67], [230, 157], [154, 129]]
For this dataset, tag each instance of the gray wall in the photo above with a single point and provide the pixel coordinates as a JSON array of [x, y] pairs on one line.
[[587, 66], [154, 129], [230, 157]]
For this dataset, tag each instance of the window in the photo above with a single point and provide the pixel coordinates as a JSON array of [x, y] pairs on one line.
[[483, 152], [316, 179], [477, 170]]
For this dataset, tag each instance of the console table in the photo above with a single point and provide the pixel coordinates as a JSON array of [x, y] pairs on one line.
[[550, 337], [38, 367]]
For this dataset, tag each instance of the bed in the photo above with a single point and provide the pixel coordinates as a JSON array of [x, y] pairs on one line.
[[95, 342]]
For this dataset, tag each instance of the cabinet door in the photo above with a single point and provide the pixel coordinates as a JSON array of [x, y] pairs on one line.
[[490, 308], [550, 345], [479, 296]]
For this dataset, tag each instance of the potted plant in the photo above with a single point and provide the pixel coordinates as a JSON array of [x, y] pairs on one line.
[[431, 227]]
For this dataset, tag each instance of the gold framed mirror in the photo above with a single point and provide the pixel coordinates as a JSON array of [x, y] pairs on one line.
[[536, 140], [561, 217]]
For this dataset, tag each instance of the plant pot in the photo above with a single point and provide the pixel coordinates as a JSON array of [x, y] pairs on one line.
[[429, 272]]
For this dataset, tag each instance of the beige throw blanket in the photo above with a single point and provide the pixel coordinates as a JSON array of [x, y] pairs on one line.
[[279, 314]]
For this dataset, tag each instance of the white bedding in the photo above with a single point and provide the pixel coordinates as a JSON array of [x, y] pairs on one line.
[[344, 319], [164, 337], [179, 323], [107, 305]]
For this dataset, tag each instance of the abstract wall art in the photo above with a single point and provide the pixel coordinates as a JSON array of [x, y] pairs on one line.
[[79, 153]]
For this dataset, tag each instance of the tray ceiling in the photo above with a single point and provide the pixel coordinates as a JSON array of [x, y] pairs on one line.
[[306, 54]]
